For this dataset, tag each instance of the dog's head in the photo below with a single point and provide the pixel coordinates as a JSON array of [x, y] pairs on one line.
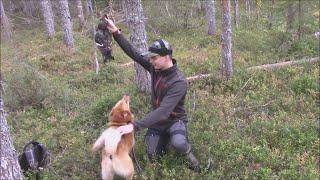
[[120, 113]]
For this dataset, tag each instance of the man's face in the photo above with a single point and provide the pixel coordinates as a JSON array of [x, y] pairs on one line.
[[158, 62]]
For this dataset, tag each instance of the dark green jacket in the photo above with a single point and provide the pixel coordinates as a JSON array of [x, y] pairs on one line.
[[168, 91]]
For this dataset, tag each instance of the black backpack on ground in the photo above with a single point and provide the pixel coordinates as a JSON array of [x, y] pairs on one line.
[[34, 156]]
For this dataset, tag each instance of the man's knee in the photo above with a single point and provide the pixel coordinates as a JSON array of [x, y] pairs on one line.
[[179, 143], [178, 137]]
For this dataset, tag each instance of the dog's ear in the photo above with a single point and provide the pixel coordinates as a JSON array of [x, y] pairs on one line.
[[127, 115], [114, 115]]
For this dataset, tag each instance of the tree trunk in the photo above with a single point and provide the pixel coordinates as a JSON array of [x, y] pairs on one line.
[[248, 8], [9, 167], [226, 64], [66, 23], [257, 9], [138, 38], [124, 10], [12, 7], [6, 29], [89, 7], [48, 17], [300, 18], [26, 8], [96, 61], [110, 9], [198, 6], [80, 14], [290, 16], [29, 10], [86, 9], [210, 17], [236, 13], [270, 15]]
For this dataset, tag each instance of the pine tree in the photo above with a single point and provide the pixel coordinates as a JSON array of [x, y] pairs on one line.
[[210, 17], [6, 29], [89, 7], [290, 14], [236, 12], [46, 9], [10, 168], [226, 64], [138, 38], [80, 13], [29, 9], [66, 23]]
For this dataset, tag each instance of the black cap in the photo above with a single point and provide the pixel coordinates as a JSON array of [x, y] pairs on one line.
[[159, 47]]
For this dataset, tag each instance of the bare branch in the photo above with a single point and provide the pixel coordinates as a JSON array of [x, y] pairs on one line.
[[283, 64], [196, 77], [126, 64], [263, 67]]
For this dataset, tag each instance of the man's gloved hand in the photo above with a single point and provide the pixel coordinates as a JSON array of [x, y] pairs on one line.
[[125, 129], [110, 25]]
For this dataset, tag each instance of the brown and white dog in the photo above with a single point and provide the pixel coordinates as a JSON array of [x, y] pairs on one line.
[[116, 145]]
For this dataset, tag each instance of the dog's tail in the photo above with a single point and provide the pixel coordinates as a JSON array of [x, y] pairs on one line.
[[109, 139]]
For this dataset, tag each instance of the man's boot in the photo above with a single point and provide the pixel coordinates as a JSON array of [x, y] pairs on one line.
[[193, 162]]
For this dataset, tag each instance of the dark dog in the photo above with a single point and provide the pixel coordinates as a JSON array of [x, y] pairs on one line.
[[34, 156]]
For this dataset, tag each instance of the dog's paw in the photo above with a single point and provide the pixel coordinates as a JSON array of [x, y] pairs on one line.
[[125, 129]]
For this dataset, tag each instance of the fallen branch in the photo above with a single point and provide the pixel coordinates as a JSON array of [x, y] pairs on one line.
[[265, 67], [283, 64], [252, 107], [200, 76], [126, 64]]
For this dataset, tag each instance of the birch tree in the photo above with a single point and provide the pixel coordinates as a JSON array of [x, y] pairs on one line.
[[80, 13], [6, 29], [210, 17], [46, 9], [138, 38], [226, 59], [9, 166], [66, 23]]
